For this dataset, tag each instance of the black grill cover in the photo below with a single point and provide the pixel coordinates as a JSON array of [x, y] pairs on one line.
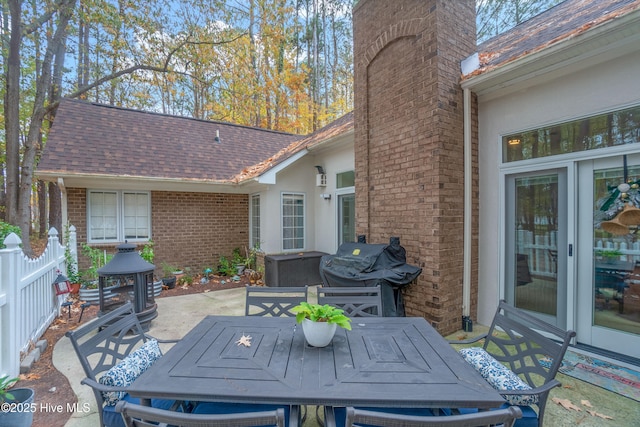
[[362, 264]]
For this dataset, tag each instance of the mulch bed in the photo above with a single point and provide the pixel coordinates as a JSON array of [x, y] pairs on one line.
[[53, 394]]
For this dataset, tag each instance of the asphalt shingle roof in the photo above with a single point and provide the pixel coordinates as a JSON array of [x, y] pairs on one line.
[[333, 129], [89, 138], [567, 19]]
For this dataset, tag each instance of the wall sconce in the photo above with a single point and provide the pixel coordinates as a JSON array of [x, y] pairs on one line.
[[325, 196]]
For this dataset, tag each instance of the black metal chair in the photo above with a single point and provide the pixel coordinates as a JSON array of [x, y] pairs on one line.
[[357, 417], [273, 301], [527, 347], [101, 345], [143, 416], [356, 301]]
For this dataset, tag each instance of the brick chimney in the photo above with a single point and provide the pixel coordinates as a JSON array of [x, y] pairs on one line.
[[409, 143]]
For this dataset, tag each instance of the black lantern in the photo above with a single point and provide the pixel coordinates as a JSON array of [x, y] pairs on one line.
[[128, 277]]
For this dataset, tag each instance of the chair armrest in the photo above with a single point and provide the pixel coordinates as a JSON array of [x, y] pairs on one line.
[[544, 388], [101, 387], [171, 341], [468, 340]]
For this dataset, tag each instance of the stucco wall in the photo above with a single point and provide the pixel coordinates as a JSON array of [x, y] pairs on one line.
[[580, 91], [321, 215]]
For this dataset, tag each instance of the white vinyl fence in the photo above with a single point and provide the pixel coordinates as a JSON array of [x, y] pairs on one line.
[[28, 302], [541, 250]]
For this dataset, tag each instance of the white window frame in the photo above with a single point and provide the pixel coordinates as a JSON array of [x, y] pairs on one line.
[[119, 216], [254, 221], [286, 195]]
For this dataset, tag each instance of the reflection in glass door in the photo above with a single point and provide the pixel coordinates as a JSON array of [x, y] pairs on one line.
[[536, 236], [346, 218], [616, 250], [608, 277]]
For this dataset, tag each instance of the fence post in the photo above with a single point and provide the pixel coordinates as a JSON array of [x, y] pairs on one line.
[[10, 266], [72, 244]]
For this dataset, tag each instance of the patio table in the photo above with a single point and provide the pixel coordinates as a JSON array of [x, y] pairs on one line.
[[382, 362]]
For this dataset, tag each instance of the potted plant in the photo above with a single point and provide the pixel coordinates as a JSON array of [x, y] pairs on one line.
[[17, 410], [319, 322], [608, 255], [169, 273], [89, 291], [148, 255], [238, 262]]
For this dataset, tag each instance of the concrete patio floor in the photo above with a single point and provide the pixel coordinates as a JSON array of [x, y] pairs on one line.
[[178, 315]]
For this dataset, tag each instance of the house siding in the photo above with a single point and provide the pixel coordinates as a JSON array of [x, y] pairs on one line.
[[188, 229], [409, 143]]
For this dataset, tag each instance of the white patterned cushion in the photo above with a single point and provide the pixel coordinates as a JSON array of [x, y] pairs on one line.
[[131, 367], [499, 376]]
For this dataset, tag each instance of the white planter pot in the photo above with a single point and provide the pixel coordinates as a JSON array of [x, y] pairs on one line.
[[318, 334]]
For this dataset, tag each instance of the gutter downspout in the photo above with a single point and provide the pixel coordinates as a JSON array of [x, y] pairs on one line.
[[466, 279], [63, 204]]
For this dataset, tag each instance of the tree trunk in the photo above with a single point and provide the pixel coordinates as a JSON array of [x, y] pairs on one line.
[[12, 112], [42, 209], [20, 177], [55, 207]]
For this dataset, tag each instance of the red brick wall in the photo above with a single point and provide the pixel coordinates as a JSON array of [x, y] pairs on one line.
[[188, 229], [409, 141]]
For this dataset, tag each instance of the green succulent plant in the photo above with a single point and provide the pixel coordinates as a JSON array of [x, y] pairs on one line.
[[5, 383], [321, 313]]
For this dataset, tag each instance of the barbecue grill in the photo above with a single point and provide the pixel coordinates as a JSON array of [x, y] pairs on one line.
[[362, 264]]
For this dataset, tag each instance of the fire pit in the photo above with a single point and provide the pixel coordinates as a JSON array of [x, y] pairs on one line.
[[128, 277]]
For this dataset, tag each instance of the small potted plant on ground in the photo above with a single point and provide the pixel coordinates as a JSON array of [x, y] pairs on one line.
[[169, 273], [16, 404], [319, 322], [148, 255], [89, 291]]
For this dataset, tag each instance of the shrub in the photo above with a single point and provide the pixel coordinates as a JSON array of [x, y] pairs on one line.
[[5, 230]]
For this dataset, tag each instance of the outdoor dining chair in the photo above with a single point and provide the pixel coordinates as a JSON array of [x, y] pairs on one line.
[[143, 416], [505, 417], [273, 301], [356, 301], [113, 351], [520, 358]]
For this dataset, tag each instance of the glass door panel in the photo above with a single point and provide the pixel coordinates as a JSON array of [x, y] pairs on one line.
[[536, 233], [608, 286], [616, 254], [346, 218]]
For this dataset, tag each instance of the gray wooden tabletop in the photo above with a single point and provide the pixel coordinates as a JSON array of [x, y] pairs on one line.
[[384, 362]]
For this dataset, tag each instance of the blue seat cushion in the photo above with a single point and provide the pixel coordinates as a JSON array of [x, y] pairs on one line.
[[235, 408], [529, 415], [499, 376], [341, 413], [111, 418]]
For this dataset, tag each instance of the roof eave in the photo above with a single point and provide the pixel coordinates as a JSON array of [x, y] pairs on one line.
[[142, 183], [598, 44]]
